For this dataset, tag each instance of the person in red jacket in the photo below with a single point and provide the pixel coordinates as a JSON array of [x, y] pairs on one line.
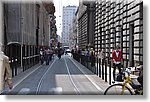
[[117, 60]]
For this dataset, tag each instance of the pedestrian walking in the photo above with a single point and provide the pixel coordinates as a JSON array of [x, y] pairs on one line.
[[117, 60], [59, 52], [5, 72], [50, 54], [42, 56], [47, 53], [101, 54]]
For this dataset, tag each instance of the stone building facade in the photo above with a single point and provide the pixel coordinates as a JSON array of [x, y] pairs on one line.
[[26, 28], [120, 22], [115, 22]]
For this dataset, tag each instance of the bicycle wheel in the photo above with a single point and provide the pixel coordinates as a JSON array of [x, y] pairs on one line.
[[116, 89]]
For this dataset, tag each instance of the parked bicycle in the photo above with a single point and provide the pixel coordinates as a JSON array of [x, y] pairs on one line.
[[128, 87]]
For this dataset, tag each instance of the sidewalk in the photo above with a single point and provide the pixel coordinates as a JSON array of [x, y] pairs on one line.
[[97, 80], [21, 76], [109, 81], [133, 76]]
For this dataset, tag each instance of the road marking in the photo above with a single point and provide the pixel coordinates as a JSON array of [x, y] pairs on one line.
[[25, 77], [56, 91], [24, 91], [100, 89], [77, 90], [40, 82]]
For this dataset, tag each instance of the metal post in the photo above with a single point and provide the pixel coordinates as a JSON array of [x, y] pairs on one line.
[[100, 67], [21, 56], [23, 64], [105, 70], [97, 66], [123, 63], [110, 72], [12, 67], [15, 65]]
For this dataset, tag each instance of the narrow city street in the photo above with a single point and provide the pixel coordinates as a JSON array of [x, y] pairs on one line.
[[62, 76], [71, 47]]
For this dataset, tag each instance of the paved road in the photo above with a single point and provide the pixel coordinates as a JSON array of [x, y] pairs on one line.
[[64, 76]]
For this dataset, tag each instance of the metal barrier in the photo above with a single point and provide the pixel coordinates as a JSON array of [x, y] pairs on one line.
[[100, 67], [110, 72], [27, 63], [30, 61], [13, 65]]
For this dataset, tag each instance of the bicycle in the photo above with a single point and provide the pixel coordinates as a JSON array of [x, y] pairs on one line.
[[125, 88]]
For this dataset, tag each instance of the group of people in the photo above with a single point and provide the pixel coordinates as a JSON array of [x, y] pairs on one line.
[[87, 56], [46, 55]]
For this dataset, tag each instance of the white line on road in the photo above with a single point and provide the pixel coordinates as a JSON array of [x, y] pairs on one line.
[[77, 90], [87, 77], [24, 91], [25, 77], [40, 82], [56, 91]]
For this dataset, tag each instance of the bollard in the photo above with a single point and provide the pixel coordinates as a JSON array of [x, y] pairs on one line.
[[15, 65], [126, 63], [99, 67], [87, 62], [12, 67], [23, 63], [123, 64], [105, 70], [110, 73], [26, 63], [94, 65], [79, 58], [84, 60]]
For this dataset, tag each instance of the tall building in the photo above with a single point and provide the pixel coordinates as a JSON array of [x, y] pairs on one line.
[[68, 15]]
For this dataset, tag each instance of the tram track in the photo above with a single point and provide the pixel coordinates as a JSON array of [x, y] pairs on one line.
[[20, 85], [62, 76], [75, 87], [42, 78], [87, 77]]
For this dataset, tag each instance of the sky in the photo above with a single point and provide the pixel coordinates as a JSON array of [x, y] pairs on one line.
[[58, 13]]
